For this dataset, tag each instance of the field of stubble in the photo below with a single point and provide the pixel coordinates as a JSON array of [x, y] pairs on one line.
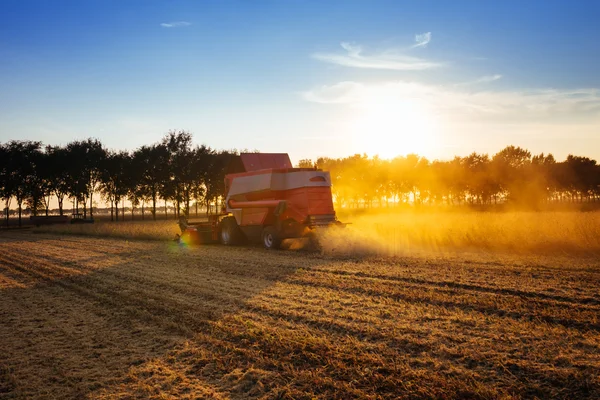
[[108, 318]]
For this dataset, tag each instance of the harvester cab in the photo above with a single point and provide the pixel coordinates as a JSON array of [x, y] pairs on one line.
[[267, 200]]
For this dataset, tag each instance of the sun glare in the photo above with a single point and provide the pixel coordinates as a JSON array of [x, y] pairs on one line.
[[393, 127]]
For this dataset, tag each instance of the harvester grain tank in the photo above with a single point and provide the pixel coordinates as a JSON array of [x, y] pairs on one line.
[[267, 200]]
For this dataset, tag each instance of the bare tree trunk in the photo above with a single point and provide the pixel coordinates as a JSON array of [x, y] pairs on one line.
[[187, 204], [166, 213], [116, 210], [123, 210], [47, 205], [20, 210], [7, 203], [154, 206], [91, 205]]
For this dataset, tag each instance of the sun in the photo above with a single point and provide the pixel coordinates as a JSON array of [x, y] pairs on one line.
[[389, 128]]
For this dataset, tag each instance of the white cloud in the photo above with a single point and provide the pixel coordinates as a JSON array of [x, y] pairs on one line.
[[457, 102], [422, 39], [389, 60], [483, 79], [489, 78], [176, 24], [339, 93]]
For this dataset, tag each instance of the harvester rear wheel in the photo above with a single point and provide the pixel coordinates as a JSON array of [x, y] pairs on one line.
[[230, 233], [271, 238]]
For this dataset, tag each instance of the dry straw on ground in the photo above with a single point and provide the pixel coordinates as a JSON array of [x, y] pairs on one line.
[[105, 318], [147, 230]]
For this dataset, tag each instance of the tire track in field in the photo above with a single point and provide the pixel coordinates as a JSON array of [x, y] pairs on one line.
[[392, 317], [103, 245], [146, 297], [463, 286], [36, 269], [43, 274], [122, 303], [67, 335], [117, 293], [511, 302], [388, 343], [421, 297], [144, 308]]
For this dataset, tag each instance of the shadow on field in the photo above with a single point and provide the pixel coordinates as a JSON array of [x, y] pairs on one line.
[[464, 286], [78, 313], [87, 317], [490, 310]]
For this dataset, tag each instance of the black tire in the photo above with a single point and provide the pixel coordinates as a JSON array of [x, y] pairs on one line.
[[271, 238], [230, 233]]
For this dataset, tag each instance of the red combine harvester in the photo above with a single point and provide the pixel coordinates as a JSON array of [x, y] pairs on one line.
[[267, 200]]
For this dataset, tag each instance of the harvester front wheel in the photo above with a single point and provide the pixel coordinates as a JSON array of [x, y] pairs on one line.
[[230, 234], [271, 238]]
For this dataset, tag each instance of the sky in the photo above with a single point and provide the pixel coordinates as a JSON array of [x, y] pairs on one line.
[[310, 78]]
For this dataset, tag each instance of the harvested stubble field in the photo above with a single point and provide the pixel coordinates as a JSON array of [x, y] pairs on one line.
[[109, 318]]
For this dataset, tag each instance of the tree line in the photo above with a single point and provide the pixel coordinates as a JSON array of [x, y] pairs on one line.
[[511, 176], [172, 171]]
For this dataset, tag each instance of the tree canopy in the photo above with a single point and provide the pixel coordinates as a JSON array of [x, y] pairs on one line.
[[176, 171]]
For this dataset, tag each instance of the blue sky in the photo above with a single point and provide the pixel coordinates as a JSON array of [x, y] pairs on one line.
[[308, 78]]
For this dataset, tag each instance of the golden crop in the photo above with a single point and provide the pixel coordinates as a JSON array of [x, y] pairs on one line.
[[402, 232]]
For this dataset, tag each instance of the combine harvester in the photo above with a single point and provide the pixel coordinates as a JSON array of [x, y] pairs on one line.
[[267, 200]]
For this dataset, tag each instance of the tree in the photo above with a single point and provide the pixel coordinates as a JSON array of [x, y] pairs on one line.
[[20, 170], [179, 147], [38, 183], [543, 183], [133, 182], [581, 175], [114, 180], [479, 182], [85, 159], [305, 163], [509, 168], [153, 163], [6, 182], [58, 171], [214, 180], [203, 158]]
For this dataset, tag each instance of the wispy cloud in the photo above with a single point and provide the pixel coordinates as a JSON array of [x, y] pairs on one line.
[[488, 78], [422, 39], [176, 24], [464, 102], [482, 80], [388, 60], [339, 93]]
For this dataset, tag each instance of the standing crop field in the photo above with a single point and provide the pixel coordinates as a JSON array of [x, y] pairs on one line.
[[110, 318]]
